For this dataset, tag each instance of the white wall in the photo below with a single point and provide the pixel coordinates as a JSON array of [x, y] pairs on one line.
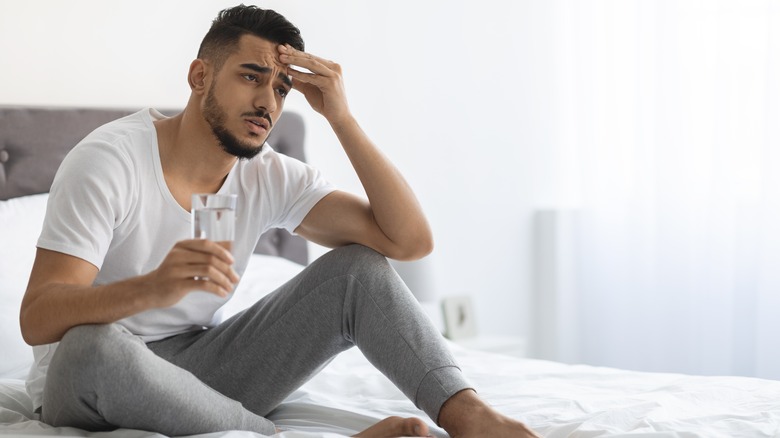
[[457, 93]]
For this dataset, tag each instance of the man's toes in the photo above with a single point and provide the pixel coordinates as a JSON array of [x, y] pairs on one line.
[[396, 426], [414, 427]]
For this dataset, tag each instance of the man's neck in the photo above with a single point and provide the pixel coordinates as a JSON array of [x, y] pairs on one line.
[[191, 157]]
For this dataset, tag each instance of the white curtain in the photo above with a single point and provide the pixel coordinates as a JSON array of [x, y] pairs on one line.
[[668, 142]]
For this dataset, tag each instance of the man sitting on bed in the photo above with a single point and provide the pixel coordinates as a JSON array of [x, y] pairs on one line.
[[132, 301]]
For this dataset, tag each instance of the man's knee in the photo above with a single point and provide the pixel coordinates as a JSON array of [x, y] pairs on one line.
[[80, 341], [356, 258], [88, 349], [84, 360], [95, 337], [369, 267]]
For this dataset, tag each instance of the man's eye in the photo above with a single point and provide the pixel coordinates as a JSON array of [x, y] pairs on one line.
[[283, 91], [249, 77]]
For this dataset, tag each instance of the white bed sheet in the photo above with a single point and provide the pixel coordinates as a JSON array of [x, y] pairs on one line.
[[557, 400]]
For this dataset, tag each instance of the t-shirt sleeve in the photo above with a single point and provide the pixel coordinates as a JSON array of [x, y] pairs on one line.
[[87, 202], [294, 188]]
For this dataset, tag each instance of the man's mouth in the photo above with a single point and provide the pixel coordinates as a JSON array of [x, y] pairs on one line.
[[259, 122], [258, 125]]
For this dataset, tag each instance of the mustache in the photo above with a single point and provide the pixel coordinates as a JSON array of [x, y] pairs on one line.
[[260, 113]]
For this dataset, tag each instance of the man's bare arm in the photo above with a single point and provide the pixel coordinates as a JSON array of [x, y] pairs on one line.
[[60, 294], [392, 221]]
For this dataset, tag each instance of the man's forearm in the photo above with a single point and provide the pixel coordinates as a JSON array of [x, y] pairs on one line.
[[59, 307], [60, 294], [394, 224], [393, 203]]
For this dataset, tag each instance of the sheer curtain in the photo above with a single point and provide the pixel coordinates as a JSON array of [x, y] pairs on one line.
[[669, 138]]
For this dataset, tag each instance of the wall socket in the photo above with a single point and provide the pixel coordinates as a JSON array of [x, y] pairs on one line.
[[459, 318]]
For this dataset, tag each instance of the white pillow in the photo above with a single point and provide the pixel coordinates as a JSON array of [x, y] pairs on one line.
[[20, 225]]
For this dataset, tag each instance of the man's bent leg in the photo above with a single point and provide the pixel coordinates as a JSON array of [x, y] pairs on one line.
[[350, 296], [102, 377]]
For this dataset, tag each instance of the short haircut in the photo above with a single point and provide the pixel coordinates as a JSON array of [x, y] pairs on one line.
[[231, 24]]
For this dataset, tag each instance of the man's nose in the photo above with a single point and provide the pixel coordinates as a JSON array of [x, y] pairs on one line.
[[265, 98]]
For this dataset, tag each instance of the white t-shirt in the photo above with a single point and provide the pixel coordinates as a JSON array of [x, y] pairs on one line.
[[109, 205]]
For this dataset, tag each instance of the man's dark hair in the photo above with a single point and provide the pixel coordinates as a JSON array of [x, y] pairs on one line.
[[231, 24]]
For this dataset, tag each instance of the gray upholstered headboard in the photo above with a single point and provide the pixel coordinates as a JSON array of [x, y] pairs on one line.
[[33, 142]]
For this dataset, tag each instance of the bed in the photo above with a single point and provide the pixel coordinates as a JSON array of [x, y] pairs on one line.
[[556, 399]]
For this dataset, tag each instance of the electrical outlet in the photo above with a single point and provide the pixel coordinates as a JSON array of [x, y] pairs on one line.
[[459, 318]]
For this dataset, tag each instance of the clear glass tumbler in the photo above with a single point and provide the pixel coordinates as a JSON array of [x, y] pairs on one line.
[[214, 218]]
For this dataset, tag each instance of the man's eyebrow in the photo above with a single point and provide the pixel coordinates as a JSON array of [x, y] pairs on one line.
[[266, 70]]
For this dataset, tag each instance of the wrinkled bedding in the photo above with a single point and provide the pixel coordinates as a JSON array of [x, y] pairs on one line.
[[558, 400]]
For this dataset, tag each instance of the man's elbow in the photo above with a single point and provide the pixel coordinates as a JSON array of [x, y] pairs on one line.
[[31, 333], [415, 249], [425, 247], [27, 333]]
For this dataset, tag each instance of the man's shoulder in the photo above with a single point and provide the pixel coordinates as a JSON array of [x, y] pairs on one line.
[[118, 150], [126, 139], [128, 128]]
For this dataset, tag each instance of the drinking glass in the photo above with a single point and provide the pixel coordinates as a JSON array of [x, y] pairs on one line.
[[214, 217]]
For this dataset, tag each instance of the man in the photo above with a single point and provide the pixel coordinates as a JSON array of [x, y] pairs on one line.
[[131, 300]]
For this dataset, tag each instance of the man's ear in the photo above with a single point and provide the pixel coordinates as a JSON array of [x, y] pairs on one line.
[[199, 70]]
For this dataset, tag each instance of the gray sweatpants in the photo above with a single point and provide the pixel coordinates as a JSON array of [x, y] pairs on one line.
[[229, 377]]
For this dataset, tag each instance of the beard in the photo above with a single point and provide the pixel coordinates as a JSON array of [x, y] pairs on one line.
[[215, 117]]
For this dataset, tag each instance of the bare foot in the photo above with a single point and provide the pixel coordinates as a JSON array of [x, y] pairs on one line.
[[465, 415], [396, 426]]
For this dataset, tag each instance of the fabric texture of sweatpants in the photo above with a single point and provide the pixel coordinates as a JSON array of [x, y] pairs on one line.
[[231, 376]]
